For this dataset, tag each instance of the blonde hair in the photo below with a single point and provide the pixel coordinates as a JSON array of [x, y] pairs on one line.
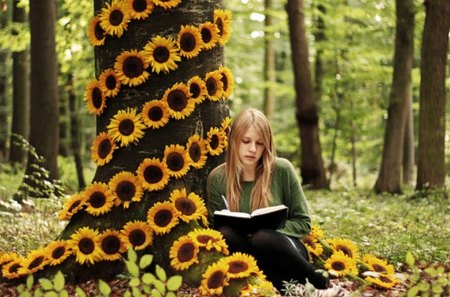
[[260, 196]]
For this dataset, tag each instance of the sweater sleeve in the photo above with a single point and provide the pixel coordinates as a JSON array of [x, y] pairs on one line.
[[215, 188]]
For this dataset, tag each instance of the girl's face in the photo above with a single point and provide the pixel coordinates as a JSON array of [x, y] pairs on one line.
[[251, 148]]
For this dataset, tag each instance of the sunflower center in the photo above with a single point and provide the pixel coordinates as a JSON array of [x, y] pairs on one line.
[[161, 54], [194, 89], [104, 148], [379, 268], [14, 268], [155, 113], [216, 279], [237, 266], [211, 86], [116, 17], [139, 5], [203, 239], [111, 244], [137, 237], [86, 246], [175, 161], [58, 252], [345, 250], [219, 24], [97, 199], [111, 82], [214, 143], [97, 98], [36, 262], [385, 279], [224, 80], [99, 32], [338, 266], [126, 127], [177, 100], [126, 190], [133, 67], [163, 218], [186, 252], [195, 152], [153, 174], [187, 42], [74, 205], [185, 206], [206, 35]]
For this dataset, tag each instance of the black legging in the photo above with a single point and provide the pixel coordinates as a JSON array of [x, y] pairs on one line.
[[279, 256]]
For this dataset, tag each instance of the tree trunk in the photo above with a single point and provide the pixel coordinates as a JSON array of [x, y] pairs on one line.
[[269, 61], [390, 175], [431, 151], [64, 123], [20, 127], [4, 130], [408, 148], [312, 170]]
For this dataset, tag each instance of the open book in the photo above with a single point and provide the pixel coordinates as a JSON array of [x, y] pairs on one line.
[[272, 217]]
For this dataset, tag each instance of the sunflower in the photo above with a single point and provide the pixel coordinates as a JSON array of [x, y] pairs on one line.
[[126, 127], [347, 246], [227, 81], [339, 264], [183, 253], [153, 174], [214, 85], [131, 68], [216, 141], [225, 125], [191, 207], [222, 19], [162, 54], [72, 206], [190, 41], [162, 217], [261, 288], [95, 98], [140, 9], [196, 150], [85, 245], [125, 187], [111, 245], [214, 279], [12, 269], [209, 239], [313, 246], [176, 158], [109, 83], [95, 32], [114, 18], [383, 281], [240, 265], [57, 252], [8, 257], [102, 149], [197, 89], [155, 114], [167, 4], [316, 232], [378, 265], [210, 35], [137, 234], [99, 199], [36, 260], [178, 103]]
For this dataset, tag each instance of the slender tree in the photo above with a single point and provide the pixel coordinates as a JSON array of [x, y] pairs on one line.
[[431, 151], [269, 61], [4, 18]]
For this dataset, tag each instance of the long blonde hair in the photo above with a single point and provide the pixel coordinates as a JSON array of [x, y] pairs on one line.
[[260, 196]]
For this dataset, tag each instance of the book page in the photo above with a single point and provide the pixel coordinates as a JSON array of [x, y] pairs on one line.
[[237, 214], [269, 209]]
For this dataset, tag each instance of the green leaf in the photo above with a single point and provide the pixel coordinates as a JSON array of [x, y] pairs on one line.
[[145, 261], [30, 282], [20, 288], [156, 293], [413, 291], [424, 286], [431, 271], [59, 281], [104, 288], [132, 268], [136, 292], [46, 284], [410, 259], [148, 278], [134, 282], [174, 282], [132, 256], [38, 293], [51, 294], [160, 273], [127, 294], [64, 293], [160, 286], [437, 289], [147, 289], [79, 292], [25, 294], [171, 294]]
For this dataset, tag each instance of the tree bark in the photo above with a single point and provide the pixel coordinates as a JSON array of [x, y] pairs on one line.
[[409, 148], [4, 106], [64, 123], [269, 61], [390, 174], [312, 170], [431, 150]]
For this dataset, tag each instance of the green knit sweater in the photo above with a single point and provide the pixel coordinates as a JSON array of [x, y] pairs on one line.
[[285, 188]]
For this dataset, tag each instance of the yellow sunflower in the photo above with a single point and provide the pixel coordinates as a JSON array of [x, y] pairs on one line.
[[209, 239], [225, 125], [216, 141], [347, 246], [177, 100], [153, 174], [183, 253], [240, 265], [191, 207], [383, 281], [316, 232], [227, 81], [72, 206], [167, 4], [102, 149], [114, 18], [85, 245], [126, 127], [36, 260], [109, 83], [95, 32], [339, 264], [155, 114], [137, 234], [95, 98], [196, 150], [162, 217], [99, 199], [190, 41], [222, 19], [214, 279], [57, 252], [8, 257], [176, 158], [214, 85], [140, 9], [126, 188], [12, 269], [111, 245], [197, 89], [162, 54], [210, 35], [131, 68], [314, 247], [378, 265]]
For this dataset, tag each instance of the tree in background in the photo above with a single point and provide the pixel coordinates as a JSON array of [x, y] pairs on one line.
[[4, 18], [269, 61]]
